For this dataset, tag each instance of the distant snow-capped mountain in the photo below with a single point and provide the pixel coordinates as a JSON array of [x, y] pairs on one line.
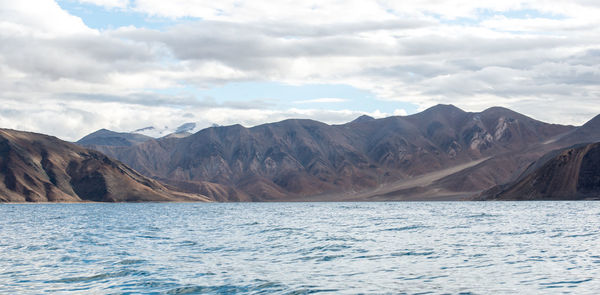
[[153, 131], [182, 130]]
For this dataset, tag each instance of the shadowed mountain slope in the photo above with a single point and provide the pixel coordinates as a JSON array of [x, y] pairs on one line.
[[568, 174], [587, 133], [297, 158], [40, 168]]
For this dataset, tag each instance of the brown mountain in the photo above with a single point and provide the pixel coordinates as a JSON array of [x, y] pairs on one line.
[[423, 155], [568, 174], [40, 168], [110, 138], [587, 133]]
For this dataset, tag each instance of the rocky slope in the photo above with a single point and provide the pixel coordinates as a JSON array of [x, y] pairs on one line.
[[568, 174], [40, 168], [298, 158]]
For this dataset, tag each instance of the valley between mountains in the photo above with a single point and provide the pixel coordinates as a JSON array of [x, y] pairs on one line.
[[442, 153]]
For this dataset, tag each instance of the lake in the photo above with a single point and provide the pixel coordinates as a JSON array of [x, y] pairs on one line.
[[301, 248]]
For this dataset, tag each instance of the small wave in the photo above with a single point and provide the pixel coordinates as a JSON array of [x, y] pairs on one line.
[[341, 239], [187, 243], [131, 261], [250, 224], [482, 215], [204, 274], [153, 237], [310, 291], [412, 253], [459, 226], [551, 284], [99, 277], [580, 235], [41, 247], [33, 248], [329, 248], [330, 257], [278, 229], [207, 289], [523, 233], [56, 218], [320, 258], [369, 257], [262, 287], [403, 228], [213, 249]]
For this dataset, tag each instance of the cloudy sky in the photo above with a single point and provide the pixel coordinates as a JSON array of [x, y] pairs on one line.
[[70, 67]]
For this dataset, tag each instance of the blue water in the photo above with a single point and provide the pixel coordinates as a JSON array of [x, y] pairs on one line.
[[300, 248]]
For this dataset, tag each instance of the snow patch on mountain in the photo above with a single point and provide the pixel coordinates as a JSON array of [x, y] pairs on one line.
[[153, 131], [182, 130]]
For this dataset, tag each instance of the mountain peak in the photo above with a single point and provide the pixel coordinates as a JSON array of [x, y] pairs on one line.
[[98, 133], [588, 132], [594, 122], [112, 138], [443, 108], [501, 111], [363, 118], [440, 112]]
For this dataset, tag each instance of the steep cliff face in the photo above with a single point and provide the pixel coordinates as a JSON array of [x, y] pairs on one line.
[[569, 174], [302, 157], [40, 168]]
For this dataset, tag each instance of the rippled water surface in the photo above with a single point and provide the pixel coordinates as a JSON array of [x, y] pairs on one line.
[[299, 248]]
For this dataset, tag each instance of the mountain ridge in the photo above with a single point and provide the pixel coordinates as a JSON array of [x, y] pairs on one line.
[[296, 158]]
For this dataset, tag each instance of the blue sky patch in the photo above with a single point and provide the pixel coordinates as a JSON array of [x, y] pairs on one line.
[[102, 18], [284, 96]]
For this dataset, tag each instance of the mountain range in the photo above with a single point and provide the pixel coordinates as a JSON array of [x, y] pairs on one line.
[[442, 153]]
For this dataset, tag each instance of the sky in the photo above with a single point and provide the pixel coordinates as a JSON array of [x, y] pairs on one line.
[[70, 67]]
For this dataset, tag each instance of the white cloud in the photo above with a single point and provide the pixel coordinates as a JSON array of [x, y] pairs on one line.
[[400, 112], [473, 54], [42, 19], [322, 100], [72, 120]]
